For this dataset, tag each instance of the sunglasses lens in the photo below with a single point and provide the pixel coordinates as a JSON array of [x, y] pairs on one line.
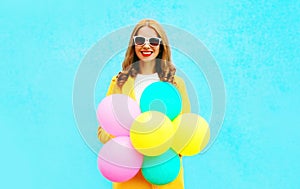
[[139, 40], [154, 41]]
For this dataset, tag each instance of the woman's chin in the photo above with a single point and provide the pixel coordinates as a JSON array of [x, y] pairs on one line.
[[148, 60]]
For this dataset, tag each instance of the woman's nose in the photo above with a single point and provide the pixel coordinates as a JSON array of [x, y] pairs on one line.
[[146, 45]]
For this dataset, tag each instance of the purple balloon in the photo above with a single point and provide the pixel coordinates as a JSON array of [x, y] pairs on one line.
[[118, 161], [116, 113]]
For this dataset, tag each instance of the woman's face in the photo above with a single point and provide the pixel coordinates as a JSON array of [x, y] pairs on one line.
[[147, 52]]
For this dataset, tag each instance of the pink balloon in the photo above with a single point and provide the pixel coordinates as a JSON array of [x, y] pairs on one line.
[[116, 113], [118, 161]]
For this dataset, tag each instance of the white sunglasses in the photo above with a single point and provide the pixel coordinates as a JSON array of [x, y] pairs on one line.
[[140, 40]]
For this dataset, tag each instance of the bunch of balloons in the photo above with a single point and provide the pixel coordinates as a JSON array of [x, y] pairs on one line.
[[148, 136]]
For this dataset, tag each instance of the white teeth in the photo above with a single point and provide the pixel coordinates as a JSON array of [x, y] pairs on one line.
[[146, 53]]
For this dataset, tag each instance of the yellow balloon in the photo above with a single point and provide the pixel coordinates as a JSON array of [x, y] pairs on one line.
[[152, 133], [192, 134]]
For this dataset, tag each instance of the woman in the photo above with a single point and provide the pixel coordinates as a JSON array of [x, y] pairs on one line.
[[147, 60]]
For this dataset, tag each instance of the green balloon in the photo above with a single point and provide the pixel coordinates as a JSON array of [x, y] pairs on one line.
[[162, 97], [162, 169]]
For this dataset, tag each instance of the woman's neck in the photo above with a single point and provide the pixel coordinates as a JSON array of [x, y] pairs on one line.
[[147, 67]]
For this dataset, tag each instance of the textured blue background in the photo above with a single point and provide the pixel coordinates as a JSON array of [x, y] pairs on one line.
[[255, 44]]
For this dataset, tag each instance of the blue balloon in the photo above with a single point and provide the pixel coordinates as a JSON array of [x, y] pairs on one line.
[[162, 97], [162, 169]]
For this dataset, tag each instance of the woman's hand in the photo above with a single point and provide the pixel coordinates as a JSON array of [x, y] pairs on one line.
[[103, 136]]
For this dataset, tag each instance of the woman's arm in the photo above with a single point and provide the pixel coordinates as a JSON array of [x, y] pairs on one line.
[[186, 106], [103, 136]]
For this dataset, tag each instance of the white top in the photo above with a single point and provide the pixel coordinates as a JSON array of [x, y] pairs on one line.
[[143, 81]]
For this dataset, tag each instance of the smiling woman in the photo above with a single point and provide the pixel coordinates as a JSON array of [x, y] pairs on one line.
[[147, 60], [143, 49]]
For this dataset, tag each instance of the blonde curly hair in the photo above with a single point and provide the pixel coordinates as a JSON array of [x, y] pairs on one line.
[[164, 67]]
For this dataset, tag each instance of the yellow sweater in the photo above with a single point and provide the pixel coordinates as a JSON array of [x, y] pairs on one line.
[[138, 181]]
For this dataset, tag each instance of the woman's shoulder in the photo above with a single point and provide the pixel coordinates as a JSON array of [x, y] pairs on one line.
[[113, 87], [179, 81], [176, 77], [114, 78]]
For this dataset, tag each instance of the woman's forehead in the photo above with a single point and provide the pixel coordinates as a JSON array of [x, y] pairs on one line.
[[147, 32]]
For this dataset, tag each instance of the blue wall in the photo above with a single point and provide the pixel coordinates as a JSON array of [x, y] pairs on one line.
[[256, 46]]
